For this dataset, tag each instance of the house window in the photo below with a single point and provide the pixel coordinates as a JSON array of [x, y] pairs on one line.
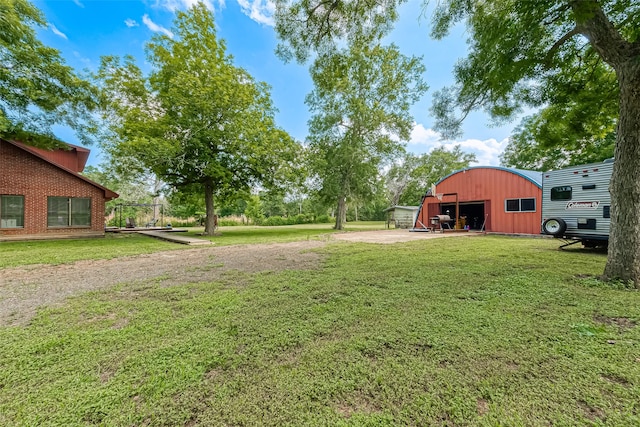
[[68, 212], [561, 193], [11, 211], [520, 205]]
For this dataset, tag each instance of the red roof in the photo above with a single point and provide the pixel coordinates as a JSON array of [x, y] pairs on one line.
[[71, 161], [72, 157]]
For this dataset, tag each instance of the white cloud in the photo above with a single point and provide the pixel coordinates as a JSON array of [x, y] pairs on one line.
[[420, 135], [487, 151], [57, 32], [131, 23], [77, 2], [174, 5], [155, 27], [260, 11]]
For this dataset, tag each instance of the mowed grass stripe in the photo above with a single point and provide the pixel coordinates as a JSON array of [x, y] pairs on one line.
[[465, 331]]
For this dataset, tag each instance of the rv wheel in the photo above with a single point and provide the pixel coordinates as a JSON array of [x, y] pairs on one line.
[[554, 226]]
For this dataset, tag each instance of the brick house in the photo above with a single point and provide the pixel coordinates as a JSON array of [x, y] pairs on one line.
[[43, 195]]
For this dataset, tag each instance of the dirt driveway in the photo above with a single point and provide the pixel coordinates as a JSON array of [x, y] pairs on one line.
[[24, 289], [391, 236]]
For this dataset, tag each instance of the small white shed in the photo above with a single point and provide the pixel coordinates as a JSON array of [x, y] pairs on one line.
[[402, 216]]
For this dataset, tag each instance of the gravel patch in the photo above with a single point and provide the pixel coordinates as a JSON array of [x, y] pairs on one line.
[[25, 289]]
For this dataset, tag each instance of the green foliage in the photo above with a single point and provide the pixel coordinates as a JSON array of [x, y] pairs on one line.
[[131, 188], [360, 108], [229, 222], [577, 127], [186, 204], [198, 122], [254, 210], [307, 26], [323, 219], [272, 203], [580, 60], [232, 207], [504, 335], [533, 148], [546, 65], [362, 93], [37, 89], [294, 220], [409, 180]]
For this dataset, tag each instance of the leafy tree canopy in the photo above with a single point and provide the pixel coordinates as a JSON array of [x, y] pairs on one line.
[[37, 89], [577, 126], [360, 108], [197, 121], [307, 26]]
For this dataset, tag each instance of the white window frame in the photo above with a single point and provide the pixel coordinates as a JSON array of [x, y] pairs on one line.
[[11, 223]]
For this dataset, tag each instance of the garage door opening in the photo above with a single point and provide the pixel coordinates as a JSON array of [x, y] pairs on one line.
[[473, 212]]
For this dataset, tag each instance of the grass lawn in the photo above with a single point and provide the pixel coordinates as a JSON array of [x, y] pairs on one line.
[[461, 331], [13, 254], [114, 245], [287, 233]]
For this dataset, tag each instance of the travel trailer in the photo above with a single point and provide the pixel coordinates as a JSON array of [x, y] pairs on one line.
[[576, 203]]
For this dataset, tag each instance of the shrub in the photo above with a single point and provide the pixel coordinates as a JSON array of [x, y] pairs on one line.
[[277, 220], [304, 219], [182, 222], [229, 222], [323, 219]]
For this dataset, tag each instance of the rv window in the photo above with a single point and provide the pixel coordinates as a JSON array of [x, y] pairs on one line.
[[589, 187], [561, 193]]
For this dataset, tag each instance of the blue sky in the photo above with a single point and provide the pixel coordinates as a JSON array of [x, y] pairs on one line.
[[85, 30]]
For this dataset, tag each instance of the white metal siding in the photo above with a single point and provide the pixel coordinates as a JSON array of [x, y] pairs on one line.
[[598, 174]]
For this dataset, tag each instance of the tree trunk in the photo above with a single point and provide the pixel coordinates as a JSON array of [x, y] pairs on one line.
[[210, 220], [623, 260], [341, 214]]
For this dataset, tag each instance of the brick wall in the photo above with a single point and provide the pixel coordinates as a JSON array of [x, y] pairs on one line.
[[22, 173]]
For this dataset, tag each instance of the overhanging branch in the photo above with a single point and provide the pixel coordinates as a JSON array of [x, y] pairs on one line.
[[547, 59]]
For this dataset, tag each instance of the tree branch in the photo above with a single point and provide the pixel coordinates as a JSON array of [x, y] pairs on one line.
[[547, 59], [556, 13], [594, 24]]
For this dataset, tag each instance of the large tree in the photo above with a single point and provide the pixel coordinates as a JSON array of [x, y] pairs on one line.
[[37, 89], [197, 121], [519, 52], [360, 112]]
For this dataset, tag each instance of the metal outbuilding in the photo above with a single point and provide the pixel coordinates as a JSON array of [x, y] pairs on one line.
[[402, 216], [488, 198]]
